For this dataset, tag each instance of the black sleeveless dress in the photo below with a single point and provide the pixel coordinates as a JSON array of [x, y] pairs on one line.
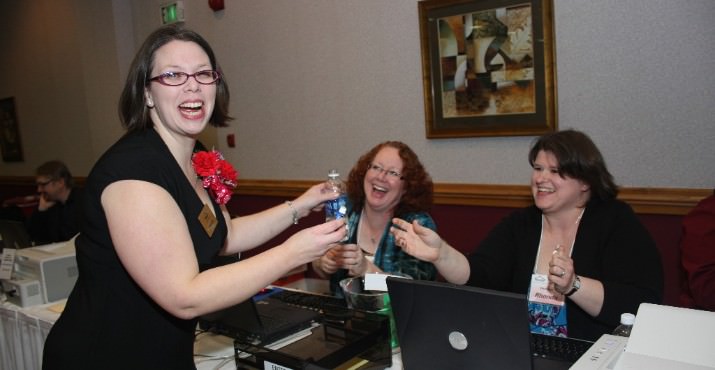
[[109, 322]]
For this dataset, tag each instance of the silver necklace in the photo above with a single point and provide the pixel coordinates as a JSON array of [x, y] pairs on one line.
[[373, 239]]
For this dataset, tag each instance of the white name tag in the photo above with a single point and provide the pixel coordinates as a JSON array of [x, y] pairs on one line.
[[539, 291], [378, 281], [8, 260]]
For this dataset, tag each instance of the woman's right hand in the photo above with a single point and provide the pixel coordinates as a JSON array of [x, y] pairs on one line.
[[416, 240], [312, 243]]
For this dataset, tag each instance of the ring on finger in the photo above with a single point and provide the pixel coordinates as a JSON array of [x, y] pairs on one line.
[[563, 272]]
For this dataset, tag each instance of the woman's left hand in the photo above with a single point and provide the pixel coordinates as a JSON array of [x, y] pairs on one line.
[[360, 265], [561, 272], [352, 259]]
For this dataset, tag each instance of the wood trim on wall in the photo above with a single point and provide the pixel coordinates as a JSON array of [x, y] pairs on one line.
[[23, 181], [664, 201]]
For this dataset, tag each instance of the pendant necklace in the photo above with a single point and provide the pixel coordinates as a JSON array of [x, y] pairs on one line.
[[373, 240]]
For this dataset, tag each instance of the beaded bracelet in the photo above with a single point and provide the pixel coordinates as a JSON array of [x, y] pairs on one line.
[[295, 212]]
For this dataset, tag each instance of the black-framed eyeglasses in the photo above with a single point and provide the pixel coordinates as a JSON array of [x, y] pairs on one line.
[[44, 183], [378, 170], [206, 77]]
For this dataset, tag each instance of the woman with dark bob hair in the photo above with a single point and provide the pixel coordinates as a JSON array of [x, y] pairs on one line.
[[580, 255], [155, 218], [388, 181], [134, 110]]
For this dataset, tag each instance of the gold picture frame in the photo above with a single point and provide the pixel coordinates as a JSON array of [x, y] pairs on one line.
[[488, 67], [10, 143]]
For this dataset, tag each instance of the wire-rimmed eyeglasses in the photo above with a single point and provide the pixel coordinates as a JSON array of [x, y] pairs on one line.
[[378, 170], [206, 77]]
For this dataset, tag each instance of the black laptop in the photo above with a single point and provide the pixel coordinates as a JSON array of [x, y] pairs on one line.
[[13, 235], [259, 320], [447, 326]]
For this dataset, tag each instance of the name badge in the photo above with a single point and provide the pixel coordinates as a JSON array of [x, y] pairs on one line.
[[540, 292], [208, 220], [8, 262]]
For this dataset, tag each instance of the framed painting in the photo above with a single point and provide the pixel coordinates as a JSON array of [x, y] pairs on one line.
[[488, 67], [10, 143]]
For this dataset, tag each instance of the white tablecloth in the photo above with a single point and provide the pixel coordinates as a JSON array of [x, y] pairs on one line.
[[23, 332]]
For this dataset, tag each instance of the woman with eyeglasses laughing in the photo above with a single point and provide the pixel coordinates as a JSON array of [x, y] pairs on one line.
[[156, 217], [388, 181]]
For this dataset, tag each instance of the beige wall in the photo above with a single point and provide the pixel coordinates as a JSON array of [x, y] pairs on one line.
[[59, 63], [315, 83]]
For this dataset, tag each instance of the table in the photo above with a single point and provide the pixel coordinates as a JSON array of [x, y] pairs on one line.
[[24, 331], [23, 334], [216, 352], [213, 351]]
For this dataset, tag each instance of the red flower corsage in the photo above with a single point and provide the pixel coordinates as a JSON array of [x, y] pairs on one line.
[[216, 173]]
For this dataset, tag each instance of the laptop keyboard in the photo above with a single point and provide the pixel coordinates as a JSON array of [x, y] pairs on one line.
[[318, 302], [558, 348]]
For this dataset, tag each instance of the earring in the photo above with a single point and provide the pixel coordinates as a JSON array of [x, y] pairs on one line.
[[150, 104]]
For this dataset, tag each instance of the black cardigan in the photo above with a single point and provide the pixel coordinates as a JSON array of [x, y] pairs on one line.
[[611, 246]]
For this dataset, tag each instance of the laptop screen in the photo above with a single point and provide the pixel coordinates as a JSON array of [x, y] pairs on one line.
[[13, 235], [446, 326]]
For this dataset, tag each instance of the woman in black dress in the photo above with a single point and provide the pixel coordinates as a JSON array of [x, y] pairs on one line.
[[155, 217]]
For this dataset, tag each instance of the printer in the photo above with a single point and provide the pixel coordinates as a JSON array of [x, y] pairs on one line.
[[663, 338], [42, 274]]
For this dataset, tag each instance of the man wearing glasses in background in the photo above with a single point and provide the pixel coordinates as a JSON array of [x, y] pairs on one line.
[[56, 218]]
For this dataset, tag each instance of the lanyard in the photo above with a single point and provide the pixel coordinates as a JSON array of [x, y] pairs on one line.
[[541, 236]]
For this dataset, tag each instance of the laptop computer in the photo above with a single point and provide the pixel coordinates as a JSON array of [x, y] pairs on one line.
[[446, 326], [259, 320], [13, 235]]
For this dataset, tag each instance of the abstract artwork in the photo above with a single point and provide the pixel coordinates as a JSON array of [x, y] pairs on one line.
[[10, 143], [488, 70]]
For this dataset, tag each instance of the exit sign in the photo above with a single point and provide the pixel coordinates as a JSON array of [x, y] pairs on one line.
[[172, 12]]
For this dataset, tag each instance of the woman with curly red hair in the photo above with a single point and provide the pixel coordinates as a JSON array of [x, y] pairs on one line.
[[388, 181]]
